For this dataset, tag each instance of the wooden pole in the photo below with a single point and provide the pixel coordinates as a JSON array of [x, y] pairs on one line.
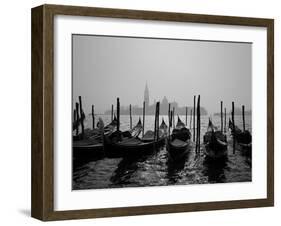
[[158, 115], [74, 120], [243, 117], [77, 118], [190, 119], [170, 123], [74, 115], [81, 115], [194, 100], [93, 116], [118, 114], [198, 126], [225, 120], [221, 117], [186, 116], [130, 116], [112, 110], [174, 118], [169, 119], [143, 118], [155, 120], [233, 131]]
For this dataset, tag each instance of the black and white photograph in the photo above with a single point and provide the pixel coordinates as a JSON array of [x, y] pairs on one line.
[[160, 112]]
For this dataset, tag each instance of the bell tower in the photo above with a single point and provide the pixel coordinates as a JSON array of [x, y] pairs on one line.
[[146, 95]]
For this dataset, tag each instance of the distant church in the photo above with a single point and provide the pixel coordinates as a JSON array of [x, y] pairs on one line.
[[164, 104]]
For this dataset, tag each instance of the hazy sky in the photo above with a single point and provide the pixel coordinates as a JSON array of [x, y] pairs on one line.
[[108, 67]]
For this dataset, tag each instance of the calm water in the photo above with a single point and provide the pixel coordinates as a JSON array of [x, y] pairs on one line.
[[155, 169]]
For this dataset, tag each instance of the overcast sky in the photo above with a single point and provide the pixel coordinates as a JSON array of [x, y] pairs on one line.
[[108, 67]]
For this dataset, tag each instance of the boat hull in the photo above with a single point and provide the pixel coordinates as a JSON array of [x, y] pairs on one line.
[[127, 149], [176, 152], [88, 151], [215, 145], [215, 153]]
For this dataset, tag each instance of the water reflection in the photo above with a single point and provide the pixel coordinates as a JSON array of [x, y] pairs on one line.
[[80, 162], [126, 169], [215, 170], [247, 154], [175, 169]]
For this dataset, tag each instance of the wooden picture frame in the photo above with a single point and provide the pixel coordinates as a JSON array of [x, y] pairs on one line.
[[42, 204]]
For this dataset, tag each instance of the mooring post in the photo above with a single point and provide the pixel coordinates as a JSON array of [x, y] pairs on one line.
[[233, 123], [186, 116], [118, 114], [174, 125], [190, 119], [158, 116], [112, 110], [74, 120], [198, 126], [169, 120], [243, 117], [155, 120], [221, 118], [93, 116], [130, 116], [225, 120], [194, 100], [77, 118], [81, 115], [143, 118]]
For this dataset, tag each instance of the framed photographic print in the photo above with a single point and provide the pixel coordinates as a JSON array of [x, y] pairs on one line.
[[141, 112]]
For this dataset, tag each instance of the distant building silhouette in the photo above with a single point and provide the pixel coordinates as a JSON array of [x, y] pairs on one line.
[[150, 109]]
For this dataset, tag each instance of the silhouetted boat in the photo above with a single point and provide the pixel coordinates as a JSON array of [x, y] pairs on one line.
[[96, 133], [149, 135], [163, 127], [118, 145], [243, 138], [178, 143], [92, 144], [215, 143], [134, 132], [111, 126]]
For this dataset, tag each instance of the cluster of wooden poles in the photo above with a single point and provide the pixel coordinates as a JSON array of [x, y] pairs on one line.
[[223, 120], [171, 119], [233, 122], [79, 119], [195, 116], [171, 116]]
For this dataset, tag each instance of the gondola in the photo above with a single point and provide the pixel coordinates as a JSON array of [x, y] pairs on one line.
[[215, 143], [243, 138], [96, 133], [118, 145], [163, 128], [179, 142], [92, 144], [149, 135]]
